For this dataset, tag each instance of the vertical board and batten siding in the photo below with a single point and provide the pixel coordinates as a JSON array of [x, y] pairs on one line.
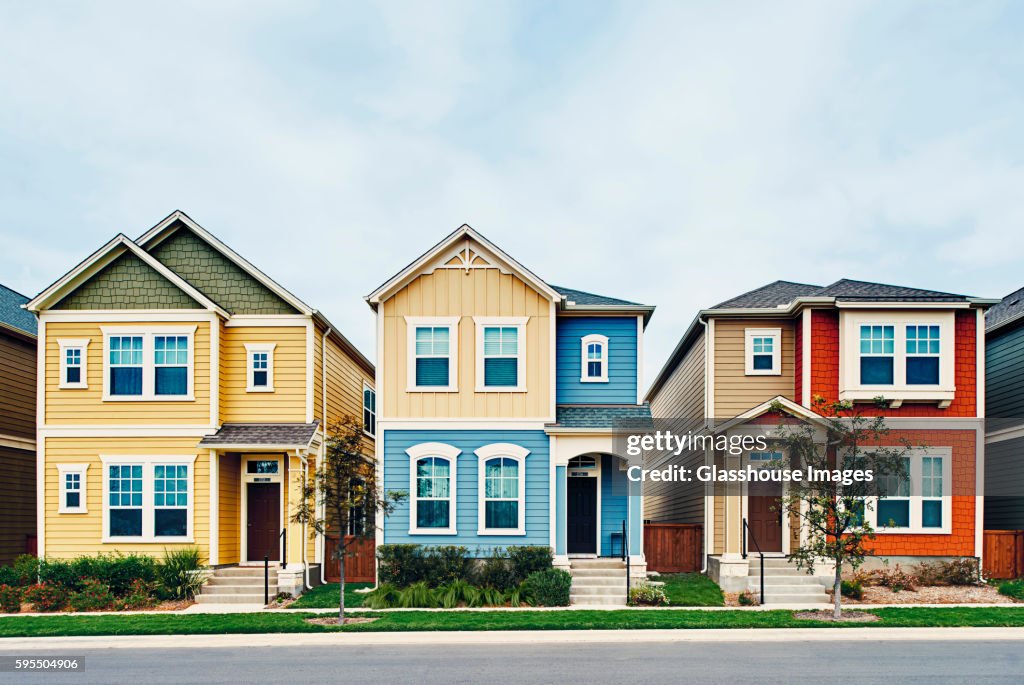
[[288, 400], [396, 478], [614, 503], [86, 405], [17, 387], [1004, 374], [229, 509], [73, 535], [622, 360], [679, 405], [480, 292], [1004, 485], [736, 392]]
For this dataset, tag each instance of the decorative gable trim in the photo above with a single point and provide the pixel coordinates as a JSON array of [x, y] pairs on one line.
[[787, 405], [102, 258], [456, 251]]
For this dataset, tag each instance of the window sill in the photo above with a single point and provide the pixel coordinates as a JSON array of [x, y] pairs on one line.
[[267, 389], [72, 511], [946, 530], [154, 540], [433, 531], [501, 531], [73, 386], [432, 388], [149, 398], [899, 394], [593, 380], [764, 372]]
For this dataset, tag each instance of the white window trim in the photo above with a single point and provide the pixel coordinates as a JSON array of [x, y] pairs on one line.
[[517, 322], [510, 451], [584, 359], [148, 462], [452, 323], [251, 348], [80, 469], [372, 434], [748, 351], [444, 451], [850, 387], [916, 528], [148, 363], [70, 344]]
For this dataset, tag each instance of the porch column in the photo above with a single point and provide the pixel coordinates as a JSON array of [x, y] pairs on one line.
[[559, 521], [214, 553], [635, 518]]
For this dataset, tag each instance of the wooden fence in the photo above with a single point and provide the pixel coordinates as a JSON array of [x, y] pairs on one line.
[[1003, 553], [673, 547], [360, 566]]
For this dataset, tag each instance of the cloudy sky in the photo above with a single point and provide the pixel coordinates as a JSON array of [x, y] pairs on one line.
[[674, 154]]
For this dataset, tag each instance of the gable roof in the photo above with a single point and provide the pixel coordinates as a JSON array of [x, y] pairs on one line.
[[102, 257], [771, 295], [788, 406], [13, 313], [1009, 310], [461, 233]]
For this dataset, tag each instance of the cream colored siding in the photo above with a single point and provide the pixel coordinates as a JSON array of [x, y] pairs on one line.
[[479, 292], [735, 392], [288, 400], [72, 535]]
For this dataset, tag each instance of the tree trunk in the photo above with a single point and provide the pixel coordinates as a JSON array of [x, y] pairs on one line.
[[340, 551], [837, 609]]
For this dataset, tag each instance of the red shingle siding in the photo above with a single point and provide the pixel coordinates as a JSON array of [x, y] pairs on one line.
[[825, 354], [798, 361]]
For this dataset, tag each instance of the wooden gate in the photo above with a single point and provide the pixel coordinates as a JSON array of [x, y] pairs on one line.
[[673, 547], [360, 566], [1003, 553]]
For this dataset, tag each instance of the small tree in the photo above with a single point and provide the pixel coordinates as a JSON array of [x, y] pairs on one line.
[[344, 486], [832, 511]]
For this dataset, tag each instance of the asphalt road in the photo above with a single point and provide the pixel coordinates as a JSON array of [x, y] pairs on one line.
[[595, 664]]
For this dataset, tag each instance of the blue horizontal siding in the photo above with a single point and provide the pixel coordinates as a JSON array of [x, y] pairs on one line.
[[622, 362], [614, 502], [396, 478]]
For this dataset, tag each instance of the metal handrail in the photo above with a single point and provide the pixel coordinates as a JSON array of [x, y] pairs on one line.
[[746, 532], [625, 556], [284, 544]]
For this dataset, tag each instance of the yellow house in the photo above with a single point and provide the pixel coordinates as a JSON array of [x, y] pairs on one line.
[[182, 397]]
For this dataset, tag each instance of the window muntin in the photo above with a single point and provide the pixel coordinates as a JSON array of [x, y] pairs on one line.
[[73, 365], [170, 500], [433, 356], [501, 356], [594, 359], [124, 483], [762, 350], [72, 490], [501, 493], [919, 501], [433, 493], [877, 354], [259, 373], [369, 410], [923, 354], [260, 369], [126, 364], [170, 361]]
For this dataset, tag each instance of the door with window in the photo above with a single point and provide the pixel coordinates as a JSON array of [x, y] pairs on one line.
[[263, 524], [581, 520], [764, 517]]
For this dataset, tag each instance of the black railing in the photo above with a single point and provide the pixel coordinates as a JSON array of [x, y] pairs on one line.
[[266, 579], [625, 556], [284, 547], [748, 532]]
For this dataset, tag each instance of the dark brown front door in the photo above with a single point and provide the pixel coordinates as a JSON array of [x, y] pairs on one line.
[[263, 502], [582, 516], [764, 516]]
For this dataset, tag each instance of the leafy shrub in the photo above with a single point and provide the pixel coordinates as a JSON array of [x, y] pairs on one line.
[[178, 573], [401, 565], [747, 599], [139, 595], [26, 567], [527, 559], [496, 572], [852, 589], [646, 594], [458, 592], [445, 564], [957, 572], [45, 597], [1013, 589], [417, 596], [62, 573], [10, 599], [9, 577], [386, 596], [896, 579], [548, 588], [94, 596], [117, 571]]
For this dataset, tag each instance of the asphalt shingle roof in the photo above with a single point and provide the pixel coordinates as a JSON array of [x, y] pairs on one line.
[[1011, 306], [11, 312], [603, 416], [279, 434], [585, 298], [783, 292]]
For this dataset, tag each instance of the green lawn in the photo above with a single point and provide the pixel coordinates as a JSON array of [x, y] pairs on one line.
[[691, 590], [284, 622], [326, 596]]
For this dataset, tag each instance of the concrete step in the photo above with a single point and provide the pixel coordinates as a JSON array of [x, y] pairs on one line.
[[598, 600], [802, 579], [599, 590], [243, 571], [589, 564], [252, 581], [755, 570], [238, 590], [595, 581], [231, 599], [789, 590], [598, 573]]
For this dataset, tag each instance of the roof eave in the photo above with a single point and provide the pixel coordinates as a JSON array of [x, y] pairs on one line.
[[1005, 323], [635, 309]]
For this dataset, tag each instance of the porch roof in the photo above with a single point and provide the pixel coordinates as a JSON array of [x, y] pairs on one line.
[[286, 436], [603, 416]]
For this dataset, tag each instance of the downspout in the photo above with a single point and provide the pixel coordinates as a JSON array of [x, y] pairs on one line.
[[305, 559], [708, 501], [323, 443]]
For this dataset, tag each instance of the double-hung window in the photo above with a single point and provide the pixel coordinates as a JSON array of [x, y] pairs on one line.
[[877, 354], [931, 491], [259, 367], [433, 351], [147, 498], [72, 488], [369, 410], [432, 483], [923, 355], [917, 501], [502, 493], [73, 363], [594, 359], [154, 364], [894, 498], [501, 353], [762, 351]]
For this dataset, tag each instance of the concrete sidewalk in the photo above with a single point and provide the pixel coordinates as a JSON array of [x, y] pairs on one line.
[[69, 644]]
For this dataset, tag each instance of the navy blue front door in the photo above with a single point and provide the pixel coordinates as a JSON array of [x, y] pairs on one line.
[[581, 517]]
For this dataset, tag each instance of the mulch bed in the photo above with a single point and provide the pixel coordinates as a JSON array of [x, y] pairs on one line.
[[932, 594], [826, 615], [333, 620]]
